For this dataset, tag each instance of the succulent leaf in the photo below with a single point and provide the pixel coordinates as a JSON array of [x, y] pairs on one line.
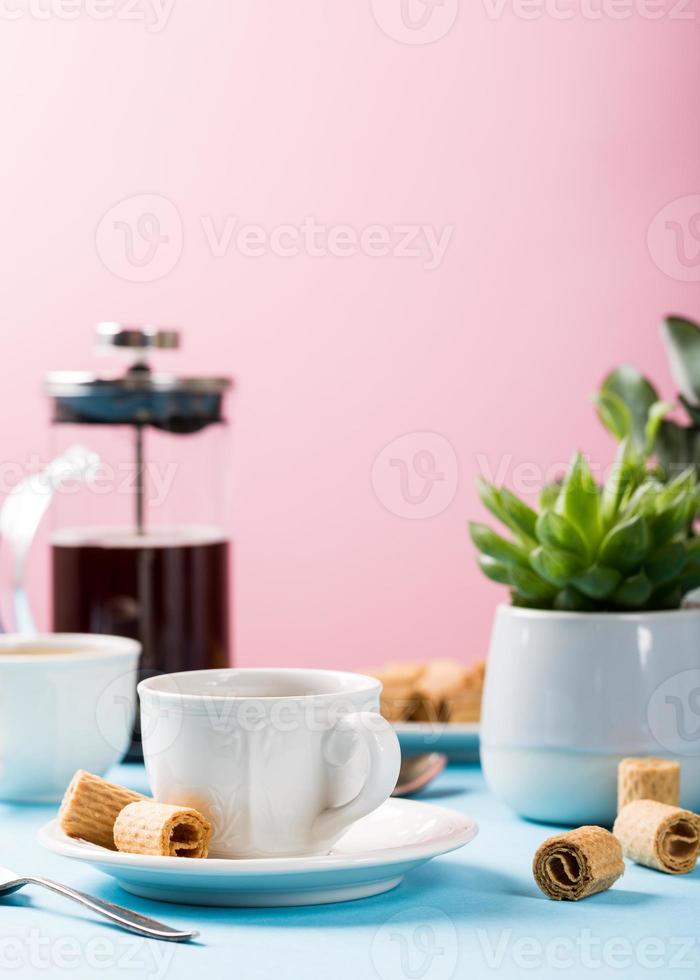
[[623, 480], [493, 545], [628, 545], [665, 564], [689, 580], [692, 554], [625, 546], [667, 596], [682, 341], [657, 413], [674, 446], [638, 394], [521, 517], [497, 571], [598, 581], [677, 446], [677, 487], [668, 523], [579, 500], [549, 494], [692, 409], [554, 531], [529, 584], [508, 508], [674, 508], [555, 566], [490, 497], [633, 592], [642, 500], [571, 600], [614, 414], [517, 599]]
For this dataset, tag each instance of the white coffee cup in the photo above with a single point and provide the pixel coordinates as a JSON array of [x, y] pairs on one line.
[[281, 761], [67, 702]]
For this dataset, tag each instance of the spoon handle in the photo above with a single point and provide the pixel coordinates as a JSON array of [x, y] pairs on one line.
[[125, 918]]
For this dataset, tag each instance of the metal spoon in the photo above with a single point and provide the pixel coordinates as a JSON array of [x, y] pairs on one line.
[[140, 924], [417, 771]]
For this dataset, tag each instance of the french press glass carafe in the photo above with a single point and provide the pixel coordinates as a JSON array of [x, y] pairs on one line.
[[138, 547]]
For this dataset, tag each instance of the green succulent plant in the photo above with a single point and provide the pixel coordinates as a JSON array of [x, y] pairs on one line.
[[626, 398], [624, 545]]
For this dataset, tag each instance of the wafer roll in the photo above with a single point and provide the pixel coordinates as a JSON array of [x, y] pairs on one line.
[[397, 702], [159, 828], [465, 705], [577, 864], [398, 699], [439, 683], [648, 779], [91, 805], [659, 836]]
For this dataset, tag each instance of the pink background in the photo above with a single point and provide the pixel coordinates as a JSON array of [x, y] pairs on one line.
[[549, 145]]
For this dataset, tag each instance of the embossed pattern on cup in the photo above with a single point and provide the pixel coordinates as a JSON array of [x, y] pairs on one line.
[[281, 761]]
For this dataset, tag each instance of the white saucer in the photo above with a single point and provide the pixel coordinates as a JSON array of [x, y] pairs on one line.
[[370, 858]]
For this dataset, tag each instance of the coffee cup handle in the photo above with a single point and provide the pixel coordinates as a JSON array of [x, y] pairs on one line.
[[383, 771]]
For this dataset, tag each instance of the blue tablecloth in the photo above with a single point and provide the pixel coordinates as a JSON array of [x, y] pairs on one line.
[[475, 913]]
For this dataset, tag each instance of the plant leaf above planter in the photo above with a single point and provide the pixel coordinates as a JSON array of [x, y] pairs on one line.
[[633, 592], [628, 404], [579, 500], [628, 545], [665, 563], [627, 386], [682, 340], [598, 581], [495, 546], [555, 566], [554, 531]]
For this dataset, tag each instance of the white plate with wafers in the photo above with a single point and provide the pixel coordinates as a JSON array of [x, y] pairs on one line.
[[372, 857], [434, 706]]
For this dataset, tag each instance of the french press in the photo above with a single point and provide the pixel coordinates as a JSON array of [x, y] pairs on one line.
[[138, 546]]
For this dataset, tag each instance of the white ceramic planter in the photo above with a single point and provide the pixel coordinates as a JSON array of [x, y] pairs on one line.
[[568, 695]]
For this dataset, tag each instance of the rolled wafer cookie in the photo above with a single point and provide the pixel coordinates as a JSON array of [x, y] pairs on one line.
[[397, 702], [659, 836], [441, 681], [577, 864], [398, 698], [147, 827], [648, 779], [90, 806]]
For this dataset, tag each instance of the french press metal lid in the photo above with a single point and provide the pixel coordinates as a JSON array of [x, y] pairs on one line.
[[139, 397]]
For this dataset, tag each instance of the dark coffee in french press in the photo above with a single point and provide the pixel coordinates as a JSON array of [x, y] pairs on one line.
[[135, 553]]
